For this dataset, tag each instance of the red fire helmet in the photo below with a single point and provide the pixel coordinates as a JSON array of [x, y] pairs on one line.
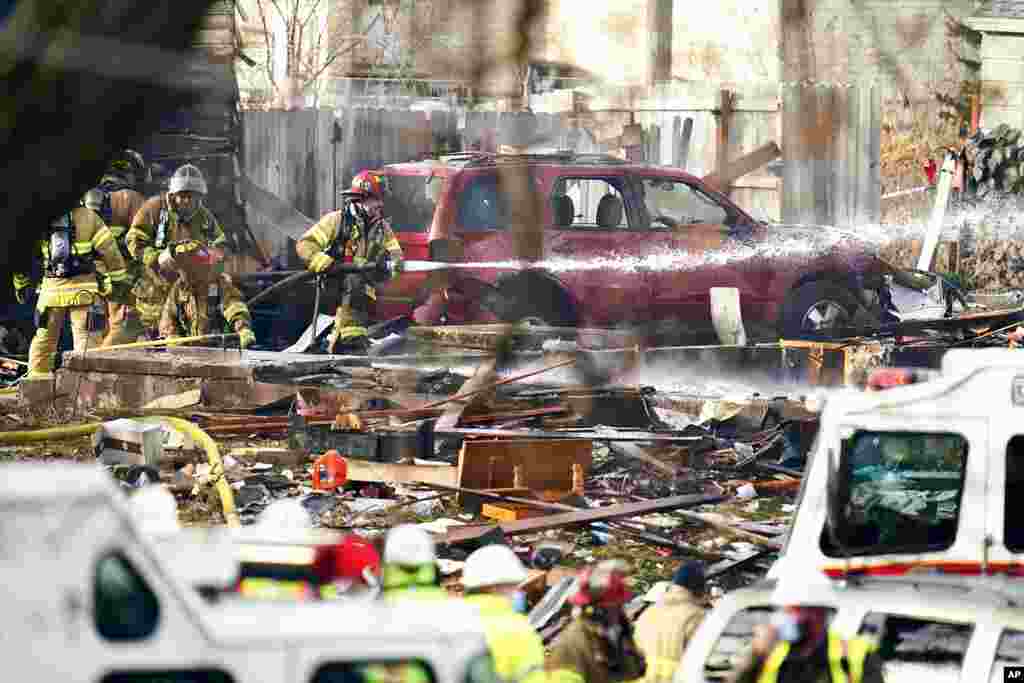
[[351, 559], [603, 585]]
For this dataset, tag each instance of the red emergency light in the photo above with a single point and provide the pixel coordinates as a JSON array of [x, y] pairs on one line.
[[887, 378]]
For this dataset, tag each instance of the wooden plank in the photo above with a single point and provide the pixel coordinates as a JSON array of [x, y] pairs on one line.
[[722, 150], [748, 163], [526, 526], [483, 376], [544, 464], [365, 470], [631, 450], [684, 142], [200, 362]]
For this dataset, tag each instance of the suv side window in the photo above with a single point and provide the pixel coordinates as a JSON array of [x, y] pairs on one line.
[[1009, 653], [672, 203], [124, 607], [409, 671], [918, 649], [594, 203], [482, 205]]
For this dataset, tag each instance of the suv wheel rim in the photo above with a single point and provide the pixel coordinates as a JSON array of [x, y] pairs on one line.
[[824, 315]]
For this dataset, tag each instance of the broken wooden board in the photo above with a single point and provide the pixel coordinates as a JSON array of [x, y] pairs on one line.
[[483, 376], [631, 450], [487, 336], [365, 470], [544, 464], [204, 363], [527, 526]]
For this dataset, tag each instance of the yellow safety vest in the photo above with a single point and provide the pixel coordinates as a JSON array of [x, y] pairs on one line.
[[517, 650], [854, 651]]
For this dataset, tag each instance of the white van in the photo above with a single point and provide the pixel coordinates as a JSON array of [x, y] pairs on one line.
[[87, 597], [932, 629], [927, 477]]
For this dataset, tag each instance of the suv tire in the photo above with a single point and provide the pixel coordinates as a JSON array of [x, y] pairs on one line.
[[819, 306], [537, 300]]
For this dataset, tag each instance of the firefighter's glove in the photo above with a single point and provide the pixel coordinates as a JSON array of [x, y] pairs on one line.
[[25, 294], [185, 247], [320, 263], [246, 338], [23, 289], [151, 257]]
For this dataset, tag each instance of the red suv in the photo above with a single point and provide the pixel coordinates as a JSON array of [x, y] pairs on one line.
[[622, 244]]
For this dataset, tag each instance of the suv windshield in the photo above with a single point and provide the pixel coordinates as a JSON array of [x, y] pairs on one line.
[[898, 492], [410, 201]]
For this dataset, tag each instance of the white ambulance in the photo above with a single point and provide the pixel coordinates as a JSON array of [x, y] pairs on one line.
[[924, 477], [87, 596]]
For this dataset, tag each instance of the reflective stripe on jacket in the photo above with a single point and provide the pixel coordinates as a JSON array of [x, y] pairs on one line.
[[843, 655]]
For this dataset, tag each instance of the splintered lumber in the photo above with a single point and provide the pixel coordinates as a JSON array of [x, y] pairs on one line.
[[527, 526], [545, 464], [631, 450], [748, 163], [468, 391], [433, 475], [473, 387], [726, 528]]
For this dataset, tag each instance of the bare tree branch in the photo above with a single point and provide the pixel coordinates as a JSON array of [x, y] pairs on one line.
[[268, 39]]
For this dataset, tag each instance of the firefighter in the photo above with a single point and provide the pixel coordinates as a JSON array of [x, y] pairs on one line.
[[491, 578], [117, 199], [598, 645], [800, 646], [410, 565], [664, 630], [360, 231], [181, 246], [75, 242]]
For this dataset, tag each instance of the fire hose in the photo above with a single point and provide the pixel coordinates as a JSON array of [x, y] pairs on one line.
[[224, 492]]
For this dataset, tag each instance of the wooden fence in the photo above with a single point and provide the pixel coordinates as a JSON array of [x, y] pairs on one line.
[[306, 157]]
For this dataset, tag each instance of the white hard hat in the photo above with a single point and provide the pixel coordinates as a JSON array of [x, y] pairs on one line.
[[493, 565], [155, 509], [187, 178], [409, 545]]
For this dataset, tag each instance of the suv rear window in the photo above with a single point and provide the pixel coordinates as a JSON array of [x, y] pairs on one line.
[[410, 201], [482, 206], [898, 492]]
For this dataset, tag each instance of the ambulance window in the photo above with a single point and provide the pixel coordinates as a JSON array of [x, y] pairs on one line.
[[1009, 653], [735, 640], [1013, 530], [124, 607], [918, 649], [898, 492], [365, 672], [198, 676]]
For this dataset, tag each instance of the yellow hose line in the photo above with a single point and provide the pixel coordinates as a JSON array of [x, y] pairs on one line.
[[173, 341], [227, 496], [51, 434]]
